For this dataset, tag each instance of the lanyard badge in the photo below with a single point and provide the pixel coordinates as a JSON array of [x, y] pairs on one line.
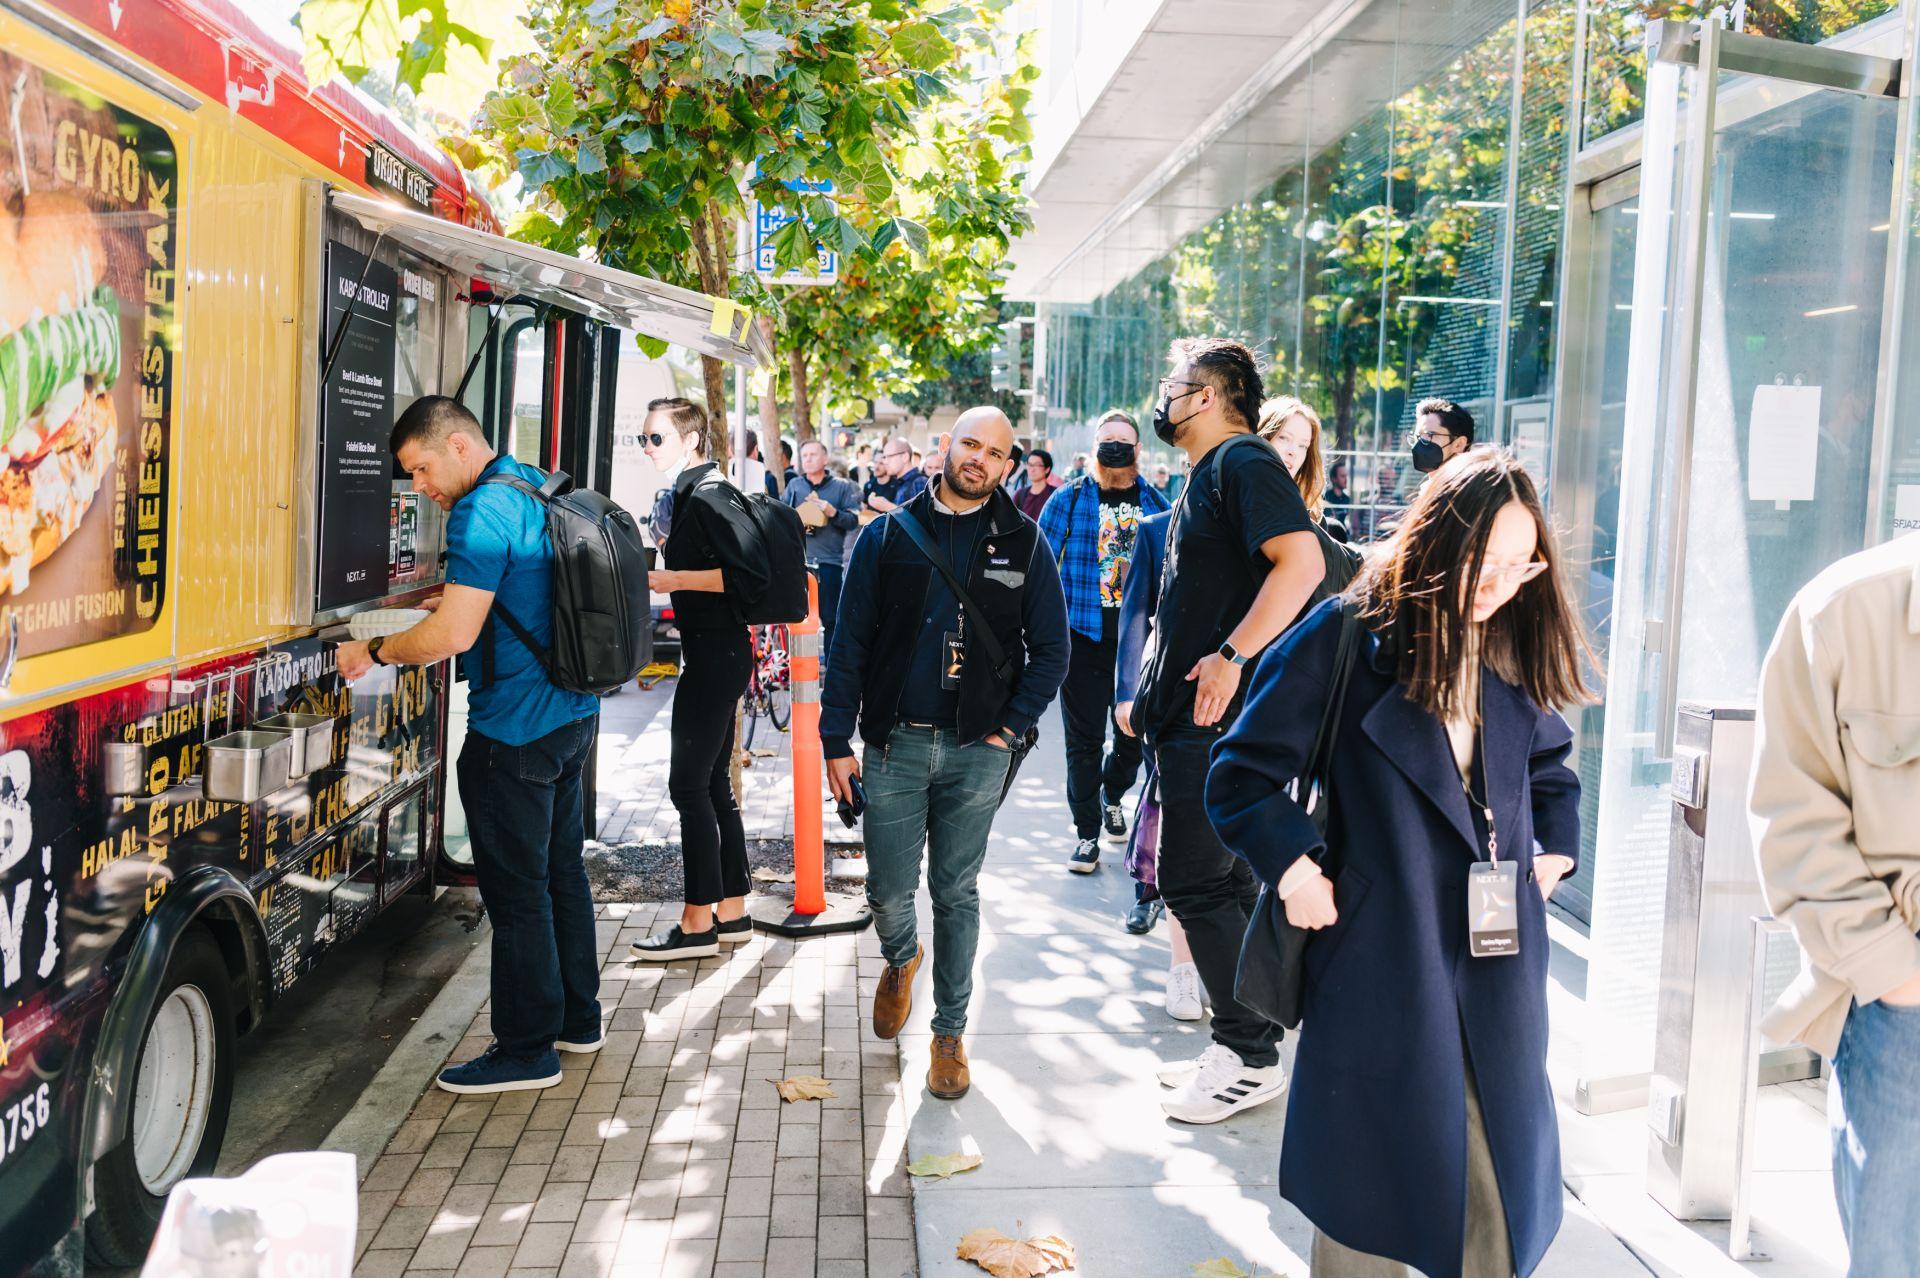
[[1493, 895]]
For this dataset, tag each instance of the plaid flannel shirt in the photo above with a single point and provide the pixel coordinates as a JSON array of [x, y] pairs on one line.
[[1070, 521]]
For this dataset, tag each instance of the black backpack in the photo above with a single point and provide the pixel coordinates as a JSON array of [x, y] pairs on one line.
[[602, 621], [1342, 561], [779, 541]]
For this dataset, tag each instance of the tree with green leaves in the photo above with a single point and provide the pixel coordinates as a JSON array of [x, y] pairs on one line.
[[644, 131]]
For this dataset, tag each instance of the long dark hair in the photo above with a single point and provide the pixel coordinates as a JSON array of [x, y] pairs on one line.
[[1421, 586]]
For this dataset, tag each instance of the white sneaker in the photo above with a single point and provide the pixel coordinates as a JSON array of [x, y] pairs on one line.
[[1184, 1000], [1180, 1073], [1224, 1088]]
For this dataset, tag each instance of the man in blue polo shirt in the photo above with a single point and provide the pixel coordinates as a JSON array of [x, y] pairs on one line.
[[527, 743]]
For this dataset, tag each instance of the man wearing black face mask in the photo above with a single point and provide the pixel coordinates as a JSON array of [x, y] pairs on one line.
[[1442, 430], [1242, 561], [1091, 524]]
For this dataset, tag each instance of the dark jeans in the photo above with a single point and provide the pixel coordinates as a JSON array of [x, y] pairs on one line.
[[830, 576], [927, 792], [1094, 773], [1210, 890], [523, 811], [714, 666]]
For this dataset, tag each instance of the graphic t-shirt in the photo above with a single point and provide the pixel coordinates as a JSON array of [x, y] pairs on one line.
[[1113, 549]]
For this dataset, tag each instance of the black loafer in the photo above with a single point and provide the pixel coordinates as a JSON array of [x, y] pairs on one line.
[[1143, 915], [734, 933], [673, 944]]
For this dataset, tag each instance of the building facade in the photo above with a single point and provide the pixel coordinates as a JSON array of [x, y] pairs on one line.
[[1668, 270]]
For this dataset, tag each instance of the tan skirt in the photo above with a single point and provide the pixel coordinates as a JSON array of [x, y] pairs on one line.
[[1489, 1252]]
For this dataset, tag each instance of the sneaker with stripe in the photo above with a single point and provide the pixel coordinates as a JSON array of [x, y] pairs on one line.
[[1225, 1086]]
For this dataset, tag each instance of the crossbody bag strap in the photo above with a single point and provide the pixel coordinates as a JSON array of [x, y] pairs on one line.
[[917, 533]]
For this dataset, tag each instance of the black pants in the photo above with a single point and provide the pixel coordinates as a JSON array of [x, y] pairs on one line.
[[523, 811], [1210, 890], [714, 665], [829, 576], [1094, 773]]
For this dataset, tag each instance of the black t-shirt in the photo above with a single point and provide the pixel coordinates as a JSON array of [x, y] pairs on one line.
[[1213, 570], [1120, 517], [929, 697]]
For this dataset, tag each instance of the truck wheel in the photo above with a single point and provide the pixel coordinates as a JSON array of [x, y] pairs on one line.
[[183, 1082]]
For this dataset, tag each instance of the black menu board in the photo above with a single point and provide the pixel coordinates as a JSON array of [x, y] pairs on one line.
[[356, 416]]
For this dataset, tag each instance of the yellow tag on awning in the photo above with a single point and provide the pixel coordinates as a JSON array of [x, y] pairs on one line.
[[724, 312]]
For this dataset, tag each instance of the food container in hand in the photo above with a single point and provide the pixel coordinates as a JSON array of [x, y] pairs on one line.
[[384, 621], [244, 767], [312, 738]]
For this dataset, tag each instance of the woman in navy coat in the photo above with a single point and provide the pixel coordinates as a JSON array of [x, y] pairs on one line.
[[1421, 1127]]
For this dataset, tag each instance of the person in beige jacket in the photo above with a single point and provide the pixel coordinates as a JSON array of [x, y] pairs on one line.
[[1835, 806]]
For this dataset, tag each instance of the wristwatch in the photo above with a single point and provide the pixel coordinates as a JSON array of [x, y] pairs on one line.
[[373, 649], [1231, 655]]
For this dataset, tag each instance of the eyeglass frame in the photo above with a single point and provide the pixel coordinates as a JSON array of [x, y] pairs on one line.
[[1504, 572]]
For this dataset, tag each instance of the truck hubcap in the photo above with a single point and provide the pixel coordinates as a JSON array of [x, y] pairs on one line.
[[174, 1091]]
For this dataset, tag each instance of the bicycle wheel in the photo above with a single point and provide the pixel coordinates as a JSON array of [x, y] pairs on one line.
[[777, 678]]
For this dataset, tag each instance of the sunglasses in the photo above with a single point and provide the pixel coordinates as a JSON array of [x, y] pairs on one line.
[[656, 439]]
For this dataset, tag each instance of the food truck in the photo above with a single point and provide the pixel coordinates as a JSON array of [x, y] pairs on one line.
[[218, 285]]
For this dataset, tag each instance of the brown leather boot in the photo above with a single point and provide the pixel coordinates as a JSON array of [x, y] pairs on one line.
[[948, 1078], [894, 999]]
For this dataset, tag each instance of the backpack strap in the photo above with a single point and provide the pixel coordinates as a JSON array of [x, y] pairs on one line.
[[1219, 458], [1060, 564], [555, 483]]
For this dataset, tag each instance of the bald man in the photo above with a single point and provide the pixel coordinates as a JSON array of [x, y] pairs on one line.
[[914, 670], [896, 478]]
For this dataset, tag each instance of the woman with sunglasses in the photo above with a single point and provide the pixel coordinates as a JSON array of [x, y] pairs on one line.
[[1421, 1130]]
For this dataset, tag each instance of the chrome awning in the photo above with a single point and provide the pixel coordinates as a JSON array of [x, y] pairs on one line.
[[709, 325]]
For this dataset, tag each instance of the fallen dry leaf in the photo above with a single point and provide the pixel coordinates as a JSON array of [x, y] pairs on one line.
[[1219, 1268], [804, 1087], [1005, 1257], [942, 1165], [764, 875], [762, 752]]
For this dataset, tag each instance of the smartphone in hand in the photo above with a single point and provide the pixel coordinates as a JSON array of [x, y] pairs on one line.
[[850, 810]]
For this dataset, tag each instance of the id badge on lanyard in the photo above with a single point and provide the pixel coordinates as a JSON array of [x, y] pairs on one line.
[[1493, 895], [953, 651]]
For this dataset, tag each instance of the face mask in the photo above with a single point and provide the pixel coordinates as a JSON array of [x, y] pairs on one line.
[[1163, 424], [1427, 456], [1115, 454]]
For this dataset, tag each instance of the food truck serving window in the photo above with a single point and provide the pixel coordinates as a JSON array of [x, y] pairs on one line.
[[381, 345], [88, 238]]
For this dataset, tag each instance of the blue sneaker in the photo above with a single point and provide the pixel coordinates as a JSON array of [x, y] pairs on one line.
[[491, 1071]]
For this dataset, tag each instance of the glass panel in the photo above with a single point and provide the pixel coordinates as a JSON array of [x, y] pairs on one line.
[[1789, 347], [1587, 508], [1617, 37], [1539, 176]]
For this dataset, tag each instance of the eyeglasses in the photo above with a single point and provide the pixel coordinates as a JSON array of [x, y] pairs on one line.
[[902, 453], [1440, 437], [1167, 382], [1512, 574]]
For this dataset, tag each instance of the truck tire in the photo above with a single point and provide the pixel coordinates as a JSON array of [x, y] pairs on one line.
[[183, 1082]]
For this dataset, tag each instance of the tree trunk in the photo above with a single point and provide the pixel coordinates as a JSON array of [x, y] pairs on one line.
[[802, 407], [710, 260]]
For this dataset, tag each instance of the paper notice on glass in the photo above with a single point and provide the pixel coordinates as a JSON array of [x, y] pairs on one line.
[[1783, 444], [1906, 508]]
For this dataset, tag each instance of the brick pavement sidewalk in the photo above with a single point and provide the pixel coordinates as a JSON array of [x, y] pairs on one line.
[[668, 1153]]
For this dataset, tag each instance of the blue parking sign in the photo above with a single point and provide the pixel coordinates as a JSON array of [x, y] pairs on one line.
[[768, 221]]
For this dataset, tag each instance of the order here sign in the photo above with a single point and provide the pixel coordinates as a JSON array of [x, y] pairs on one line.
[[767, 222]]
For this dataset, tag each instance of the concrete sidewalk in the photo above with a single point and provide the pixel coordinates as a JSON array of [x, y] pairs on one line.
[[670, 1154], [1066, 1031]]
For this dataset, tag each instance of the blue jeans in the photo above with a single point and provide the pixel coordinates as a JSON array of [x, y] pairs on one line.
[[1873, 1108], [830, 576], [925, 789], [523, 809]]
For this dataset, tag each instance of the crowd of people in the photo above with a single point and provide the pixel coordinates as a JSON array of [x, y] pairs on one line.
[[1372, 740]]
